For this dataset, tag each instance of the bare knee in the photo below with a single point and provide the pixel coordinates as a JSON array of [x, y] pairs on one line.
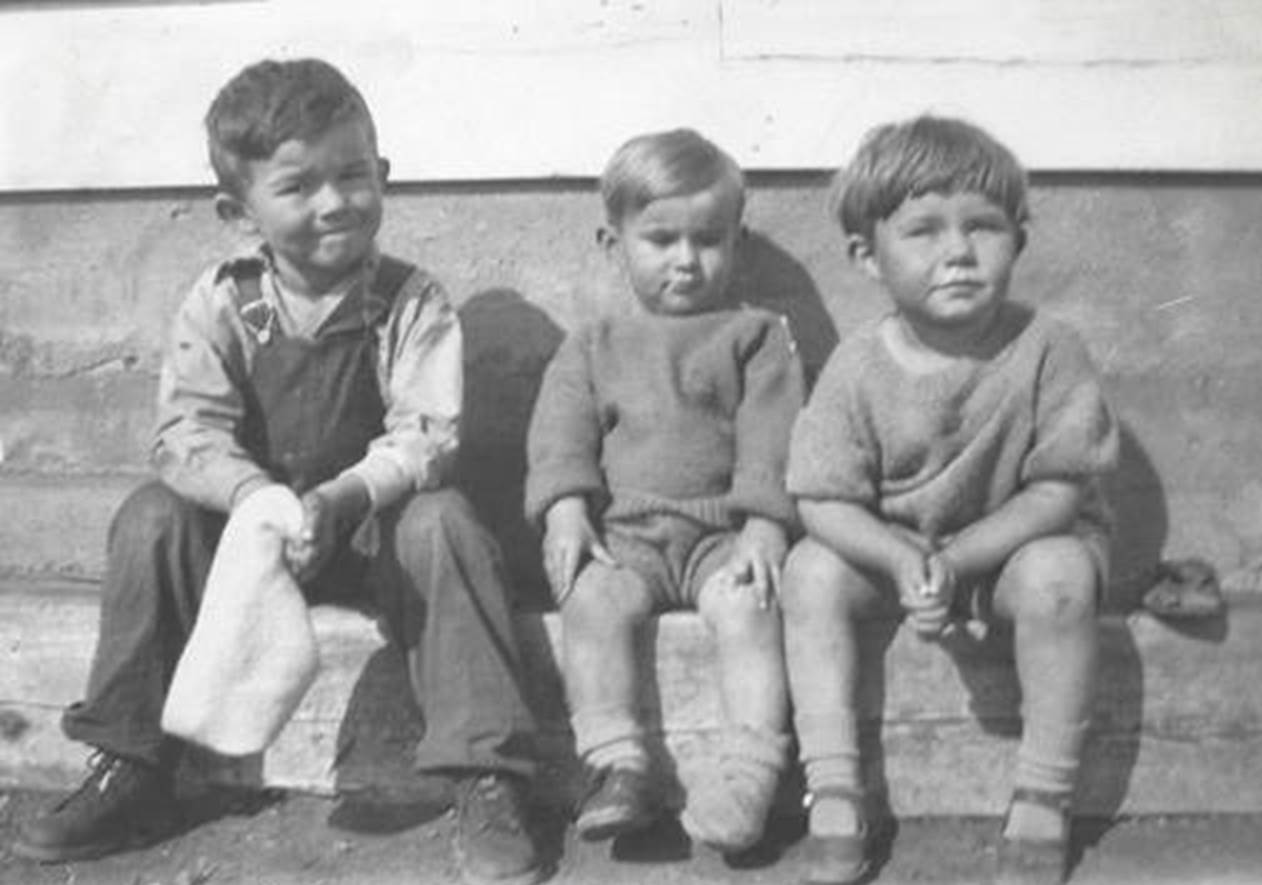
[[605, 602], [1049, 583], [818, 586], [738, 612]]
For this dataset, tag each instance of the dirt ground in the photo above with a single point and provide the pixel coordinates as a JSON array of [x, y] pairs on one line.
[[281, 839]]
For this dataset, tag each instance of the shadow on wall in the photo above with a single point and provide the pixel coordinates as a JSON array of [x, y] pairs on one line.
[[1141, 523], [770, 277], [507, 343]]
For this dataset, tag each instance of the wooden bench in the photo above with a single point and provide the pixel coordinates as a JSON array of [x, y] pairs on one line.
[[1178, 724]]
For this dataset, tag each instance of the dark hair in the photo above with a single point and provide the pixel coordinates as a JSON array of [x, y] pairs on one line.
[[926, 155], [665, 164], [271, 102]]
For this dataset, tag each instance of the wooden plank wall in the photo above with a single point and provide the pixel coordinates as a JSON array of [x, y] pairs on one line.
[[111, 95]]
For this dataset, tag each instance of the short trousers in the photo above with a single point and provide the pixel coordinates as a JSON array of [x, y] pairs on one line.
[[674, 555]]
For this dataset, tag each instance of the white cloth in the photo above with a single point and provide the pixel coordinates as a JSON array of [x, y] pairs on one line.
[[252, 654]]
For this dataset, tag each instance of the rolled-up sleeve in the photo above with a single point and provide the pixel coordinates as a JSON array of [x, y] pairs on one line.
[[200, 407], [421, 377]]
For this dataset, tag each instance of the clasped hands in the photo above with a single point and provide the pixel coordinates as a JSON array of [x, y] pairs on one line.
[[926, 584], [328, 511]]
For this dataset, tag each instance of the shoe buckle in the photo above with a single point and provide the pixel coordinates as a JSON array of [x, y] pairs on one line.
[[107, 775]]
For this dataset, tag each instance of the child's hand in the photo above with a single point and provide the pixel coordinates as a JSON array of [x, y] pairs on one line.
[[329, 510], [909, 574], [568, 539], [755, 560], [306, 554], [916, 592], [931, 613]]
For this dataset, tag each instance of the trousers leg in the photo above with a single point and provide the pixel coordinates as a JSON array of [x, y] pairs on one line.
[[158, 555], [442, 593]]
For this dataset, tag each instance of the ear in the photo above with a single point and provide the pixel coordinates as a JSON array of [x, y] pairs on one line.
[[233, 211], [383, 170], [607, 238], [862, 255]]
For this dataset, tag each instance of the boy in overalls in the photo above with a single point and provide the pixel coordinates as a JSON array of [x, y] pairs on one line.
[[319, 364]]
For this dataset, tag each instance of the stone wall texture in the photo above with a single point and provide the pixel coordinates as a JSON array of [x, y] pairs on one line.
[[1160, 273]]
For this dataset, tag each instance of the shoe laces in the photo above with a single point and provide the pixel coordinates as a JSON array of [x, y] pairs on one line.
[[497, 801], [105, 769]]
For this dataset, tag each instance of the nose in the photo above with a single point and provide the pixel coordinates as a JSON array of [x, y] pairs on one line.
[[957, 246], [330, 199], [686, 253]]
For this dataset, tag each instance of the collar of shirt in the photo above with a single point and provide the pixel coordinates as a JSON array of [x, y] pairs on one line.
[[352, 305]]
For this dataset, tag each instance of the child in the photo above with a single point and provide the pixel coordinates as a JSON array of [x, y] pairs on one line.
[[947, 464], [656, 452], [318, 364]]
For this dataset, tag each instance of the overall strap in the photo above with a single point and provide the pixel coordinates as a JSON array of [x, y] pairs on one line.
[[247, 273], [390, 277], [247, 294]]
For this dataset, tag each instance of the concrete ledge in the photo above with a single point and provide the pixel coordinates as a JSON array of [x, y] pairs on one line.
[[1178, 716]]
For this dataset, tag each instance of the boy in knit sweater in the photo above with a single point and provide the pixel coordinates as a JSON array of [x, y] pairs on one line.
[[657, 452], [947, 467]]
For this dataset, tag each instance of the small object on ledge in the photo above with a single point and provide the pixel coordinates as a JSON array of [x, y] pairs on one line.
[[1185, 588]]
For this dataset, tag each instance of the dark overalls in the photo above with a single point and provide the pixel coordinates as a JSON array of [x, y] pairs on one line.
[[437, 581]]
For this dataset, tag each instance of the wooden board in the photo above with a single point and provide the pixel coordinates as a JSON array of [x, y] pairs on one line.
[[496, 90], [1178, 718]]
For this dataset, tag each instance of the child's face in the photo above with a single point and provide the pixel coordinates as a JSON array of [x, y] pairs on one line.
[[316, 203], [945, 259], [678, 252]]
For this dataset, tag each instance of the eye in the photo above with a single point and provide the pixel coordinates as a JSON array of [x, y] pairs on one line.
[[990, 227], [661, 239]]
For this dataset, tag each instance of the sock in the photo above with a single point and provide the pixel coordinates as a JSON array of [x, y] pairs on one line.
[[729, 812], [1047, 761], [609, 737], [626, 753], [830, 756]]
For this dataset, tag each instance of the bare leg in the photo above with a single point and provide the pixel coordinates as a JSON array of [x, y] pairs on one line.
[[824, 599], [729, 812], [600, 624], [1048, 590], [750, 645]]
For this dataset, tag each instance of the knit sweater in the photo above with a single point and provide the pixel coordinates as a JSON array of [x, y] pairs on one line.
[[936, 451], [671, 414]]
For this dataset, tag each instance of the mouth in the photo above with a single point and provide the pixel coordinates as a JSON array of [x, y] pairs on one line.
[[959, 286], [683, 287], [342, 230]]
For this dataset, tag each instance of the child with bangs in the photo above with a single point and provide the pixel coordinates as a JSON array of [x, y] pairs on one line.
[[947, 467]]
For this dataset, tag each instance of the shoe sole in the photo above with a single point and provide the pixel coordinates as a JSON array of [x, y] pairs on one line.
[[598, 827], [91, 851], [532, 876], [853, 878]]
